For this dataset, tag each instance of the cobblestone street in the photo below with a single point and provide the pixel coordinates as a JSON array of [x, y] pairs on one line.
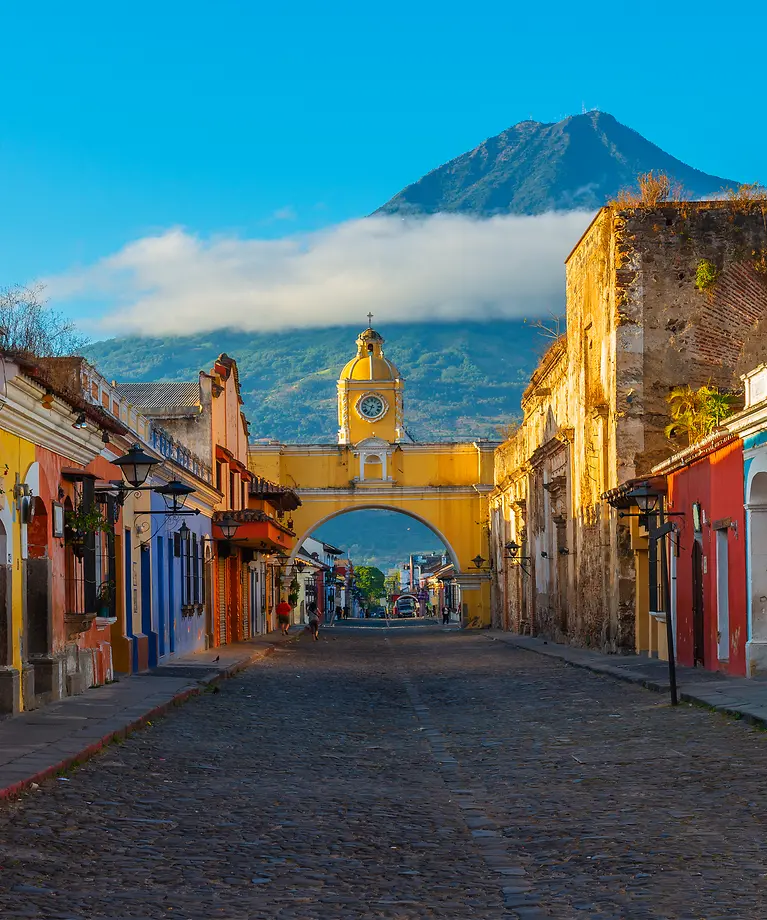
[[403, 774]]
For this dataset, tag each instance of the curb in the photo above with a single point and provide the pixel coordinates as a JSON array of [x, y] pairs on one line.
[[633, 677], [76, 760]]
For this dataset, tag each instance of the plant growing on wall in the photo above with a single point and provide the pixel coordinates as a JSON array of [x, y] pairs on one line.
[[652, 189], [86, 520], [706, 275], [696, 413], [760, 260]]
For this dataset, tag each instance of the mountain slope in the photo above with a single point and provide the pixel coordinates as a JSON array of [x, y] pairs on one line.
[[461, 380], [580, 162]]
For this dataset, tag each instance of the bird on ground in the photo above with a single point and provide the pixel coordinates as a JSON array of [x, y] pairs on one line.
[[216, 658]]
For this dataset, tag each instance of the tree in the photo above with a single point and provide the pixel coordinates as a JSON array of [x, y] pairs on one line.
[[370, 584], [696, 413], [29, 326]]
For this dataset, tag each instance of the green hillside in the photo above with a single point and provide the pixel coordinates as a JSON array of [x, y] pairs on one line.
[[462, 380]]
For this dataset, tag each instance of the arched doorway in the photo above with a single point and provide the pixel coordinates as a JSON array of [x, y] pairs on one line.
[[38, 623], [756, 525]]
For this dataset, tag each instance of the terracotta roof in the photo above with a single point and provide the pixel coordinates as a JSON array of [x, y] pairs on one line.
[[168, 395], [30, 367], [708, 445]]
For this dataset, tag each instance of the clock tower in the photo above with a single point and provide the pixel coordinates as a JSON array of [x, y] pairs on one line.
[[370, 395]]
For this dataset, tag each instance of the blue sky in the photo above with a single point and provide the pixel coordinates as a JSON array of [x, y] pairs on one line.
[[248, 120]]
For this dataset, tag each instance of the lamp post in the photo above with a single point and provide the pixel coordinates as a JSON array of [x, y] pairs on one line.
[[650, 504], [136, 466]]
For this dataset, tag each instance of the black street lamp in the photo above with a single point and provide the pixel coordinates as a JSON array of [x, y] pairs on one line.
[[651, 505], [228, 526], [478, 561], [184, 533], [645, 498], [513, 549], [135, 466], [175, 494]]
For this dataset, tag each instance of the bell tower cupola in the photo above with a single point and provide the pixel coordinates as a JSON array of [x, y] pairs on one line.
[[370, 394]]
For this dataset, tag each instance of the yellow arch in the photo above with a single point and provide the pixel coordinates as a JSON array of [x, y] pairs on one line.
[[377, 506]]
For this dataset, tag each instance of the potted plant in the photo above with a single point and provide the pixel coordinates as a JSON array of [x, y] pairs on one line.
[[104, 597]]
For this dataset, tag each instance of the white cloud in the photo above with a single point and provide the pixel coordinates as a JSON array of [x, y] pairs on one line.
[[440, 267]]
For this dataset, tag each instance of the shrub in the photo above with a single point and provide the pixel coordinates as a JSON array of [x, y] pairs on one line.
[[706, 275]]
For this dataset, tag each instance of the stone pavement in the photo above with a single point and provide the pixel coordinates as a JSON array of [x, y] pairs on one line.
[[39, 744], [740, 697], [403, 775]]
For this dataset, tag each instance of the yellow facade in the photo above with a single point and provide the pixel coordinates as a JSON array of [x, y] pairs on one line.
[[443, 485], [16, 456]]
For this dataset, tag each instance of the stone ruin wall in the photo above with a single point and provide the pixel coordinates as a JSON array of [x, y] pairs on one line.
[[637, 326], [598, 620], [687, 336]]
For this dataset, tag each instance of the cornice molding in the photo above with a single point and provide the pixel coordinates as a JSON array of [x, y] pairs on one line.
[[22, 414], [390, 493]]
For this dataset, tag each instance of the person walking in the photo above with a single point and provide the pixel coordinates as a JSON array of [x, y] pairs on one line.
[[283, 616], [445, 615], [314, 621]]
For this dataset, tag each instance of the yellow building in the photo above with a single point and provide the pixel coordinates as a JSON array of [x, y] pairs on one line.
[[375, 465], [17, 455]]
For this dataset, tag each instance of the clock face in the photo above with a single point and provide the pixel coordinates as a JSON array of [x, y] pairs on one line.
[[371, 407]]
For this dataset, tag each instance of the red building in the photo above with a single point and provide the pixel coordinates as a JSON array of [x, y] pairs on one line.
[[708, 558]]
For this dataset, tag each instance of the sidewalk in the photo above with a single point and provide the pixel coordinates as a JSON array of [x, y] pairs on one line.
[[743, 698], [37, 745]]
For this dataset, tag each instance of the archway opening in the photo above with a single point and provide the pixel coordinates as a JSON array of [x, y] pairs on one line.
[[358, 564], [756, 506]]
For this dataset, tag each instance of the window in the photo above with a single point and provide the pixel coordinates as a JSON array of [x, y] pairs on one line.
[[243, 503], [232, 491], [219, 477], [195, 570]]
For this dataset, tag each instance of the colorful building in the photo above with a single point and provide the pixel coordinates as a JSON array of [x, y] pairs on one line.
[[231, 583], [707, 557], [56, 625], [750, 426]]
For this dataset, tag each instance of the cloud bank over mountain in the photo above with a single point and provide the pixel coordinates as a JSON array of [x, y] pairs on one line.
[[441, 267]]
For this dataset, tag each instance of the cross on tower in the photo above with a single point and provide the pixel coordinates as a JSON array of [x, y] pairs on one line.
[[370, 320]]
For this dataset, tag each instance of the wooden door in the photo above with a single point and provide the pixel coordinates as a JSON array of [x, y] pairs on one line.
[[698, 626]]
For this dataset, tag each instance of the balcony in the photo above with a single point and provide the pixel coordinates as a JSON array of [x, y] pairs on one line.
[[279, 497], [257, 530]]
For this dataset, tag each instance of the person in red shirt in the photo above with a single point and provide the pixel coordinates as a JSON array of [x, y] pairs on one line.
[[283, 616]]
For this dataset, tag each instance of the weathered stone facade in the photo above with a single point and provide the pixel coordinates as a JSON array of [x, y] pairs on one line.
[[595, 409]]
